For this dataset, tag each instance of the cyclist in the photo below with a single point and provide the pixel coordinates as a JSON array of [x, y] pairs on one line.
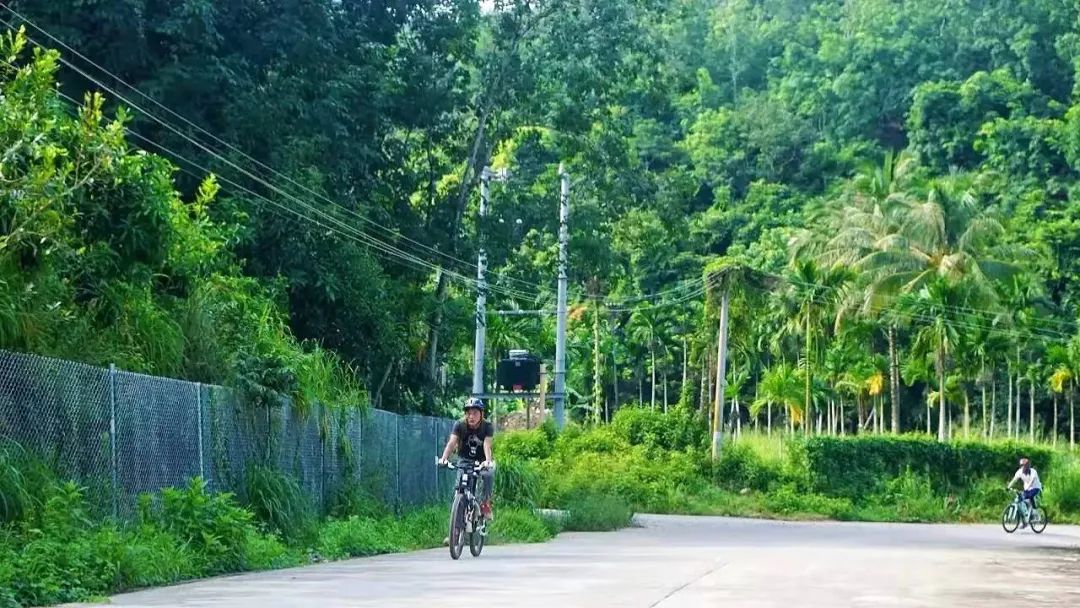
[[1032, 486], [472, 438]]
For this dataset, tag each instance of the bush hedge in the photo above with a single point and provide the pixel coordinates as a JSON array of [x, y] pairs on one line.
[[855, 467]]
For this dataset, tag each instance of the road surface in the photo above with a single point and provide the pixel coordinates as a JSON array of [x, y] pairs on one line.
[[671, 562]]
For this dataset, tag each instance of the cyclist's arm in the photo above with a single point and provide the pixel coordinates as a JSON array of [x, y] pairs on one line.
[[1015, 477], [451, 445], [488, 448]]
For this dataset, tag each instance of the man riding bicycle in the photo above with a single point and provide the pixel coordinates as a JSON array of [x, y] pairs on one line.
[[473, 438], [1032, 486]]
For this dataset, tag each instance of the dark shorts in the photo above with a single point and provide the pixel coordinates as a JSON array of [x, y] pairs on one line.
[[1031, 494]]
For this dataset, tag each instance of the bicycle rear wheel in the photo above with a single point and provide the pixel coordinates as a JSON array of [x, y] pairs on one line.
[[1010, 519], [1038, 520], [457, 526]]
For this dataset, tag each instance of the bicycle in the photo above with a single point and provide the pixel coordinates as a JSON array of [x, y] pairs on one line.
[[465, 514], [1010, 518]]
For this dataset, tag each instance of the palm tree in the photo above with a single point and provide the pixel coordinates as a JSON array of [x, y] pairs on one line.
[[813, 290], [780, 385], [918, 368], [1059, 381], [935, 305]]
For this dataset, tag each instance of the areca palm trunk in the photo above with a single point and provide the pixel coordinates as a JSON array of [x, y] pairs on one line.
[[1072, 418], [894, 380], [967, 415], [993, 406], [1031, 412], [808, 414], [1054, 441], [1008, 408], [941, 393]]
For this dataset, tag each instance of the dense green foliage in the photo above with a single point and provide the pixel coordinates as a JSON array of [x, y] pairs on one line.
[[902, 176], [601, 475]]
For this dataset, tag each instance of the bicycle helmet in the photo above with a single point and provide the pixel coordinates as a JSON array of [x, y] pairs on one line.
[[474, 402]]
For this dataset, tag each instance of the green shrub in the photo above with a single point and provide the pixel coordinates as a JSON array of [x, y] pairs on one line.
[[856, 467], [277, 500], [677, 430], [356, 537], [262, 552], [911, 498], [422, 528], [352, 499], [1062, 488], [789, 500], [518, 525], [23, 482], [593, 512], [600, 440], [532, 444], [741, 466], [517, 482], [213, 525]]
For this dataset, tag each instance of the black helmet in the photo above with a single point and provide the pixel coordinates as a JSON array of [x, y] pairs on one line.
[[474, 402]]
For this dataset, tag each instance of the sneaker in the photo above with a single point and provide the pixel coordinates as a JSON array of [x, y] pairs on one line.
[[446, 542]]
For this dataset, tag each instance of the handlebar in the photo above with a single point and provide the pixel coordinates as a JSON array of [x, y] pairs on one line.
[[453, 466]]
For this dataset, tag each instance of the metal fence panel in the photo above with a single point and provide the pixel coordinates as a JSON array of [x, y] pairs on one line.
[[59, 411], [379, 456], [120, 434], [157, 434]]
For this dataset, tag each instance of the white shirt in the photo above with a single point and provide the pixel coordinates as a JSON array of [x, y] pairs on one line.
[[1031, 479]]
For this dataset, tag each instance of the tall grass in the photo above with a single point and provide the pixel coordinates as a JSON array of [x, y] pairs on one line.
[[277, 500]]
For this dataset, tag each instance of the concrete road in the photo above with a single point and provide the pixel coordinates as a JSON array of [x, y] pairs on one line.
[[670, 562]]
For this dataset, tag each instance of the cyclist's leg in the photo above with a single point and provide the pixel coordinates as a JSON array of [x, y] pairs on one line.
[[487, 488]]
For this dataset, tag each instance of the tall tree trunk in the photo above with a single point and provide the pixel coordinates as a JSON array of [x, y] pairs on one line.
[[652, 351], [929, 415], [768, 419], [1031, 412], [685, 363], [993, 404], [894, 380], [1009, 408], [982, 382], [967, 415], [861, 413], [941, 393], [1054, 441], [840, 417], [808, 412], [1072, 417], [598, 378], [664, 378]]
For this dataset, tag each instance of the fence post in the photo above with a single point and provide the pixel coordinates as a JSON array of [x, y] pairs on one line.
[[199, 409], [397, 461], [112, 440]]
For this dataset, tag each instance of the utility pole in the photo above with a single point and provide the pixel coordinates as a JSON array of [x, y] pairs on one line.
[[481, 282], [560, 322], [721, 378]]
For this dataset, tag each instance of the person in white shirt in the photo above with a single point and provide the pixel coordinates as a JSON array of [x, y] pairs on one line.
[[1032, 485]]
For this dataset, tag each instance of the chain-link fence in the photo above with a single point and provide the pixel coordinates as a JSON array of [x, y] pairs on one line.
[[120, 434]]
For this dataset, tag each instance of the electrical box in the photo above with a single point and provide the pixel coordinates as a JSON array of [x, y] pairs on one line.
[[520, 372]]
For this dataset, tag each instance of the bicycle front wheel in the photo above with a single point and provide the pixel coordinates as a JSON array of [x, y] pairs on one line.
[[457, 526], [1010, 519], [1038, 521], [478, 536]]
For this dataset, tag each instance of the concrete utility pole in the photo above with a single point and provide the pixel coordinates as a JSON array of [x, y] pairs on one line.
[[721, 378], [560, 322], [481, 282]]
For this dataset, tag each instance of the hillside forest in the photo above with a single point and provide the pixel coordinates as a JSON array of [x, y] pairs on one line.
[[283, 195]]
